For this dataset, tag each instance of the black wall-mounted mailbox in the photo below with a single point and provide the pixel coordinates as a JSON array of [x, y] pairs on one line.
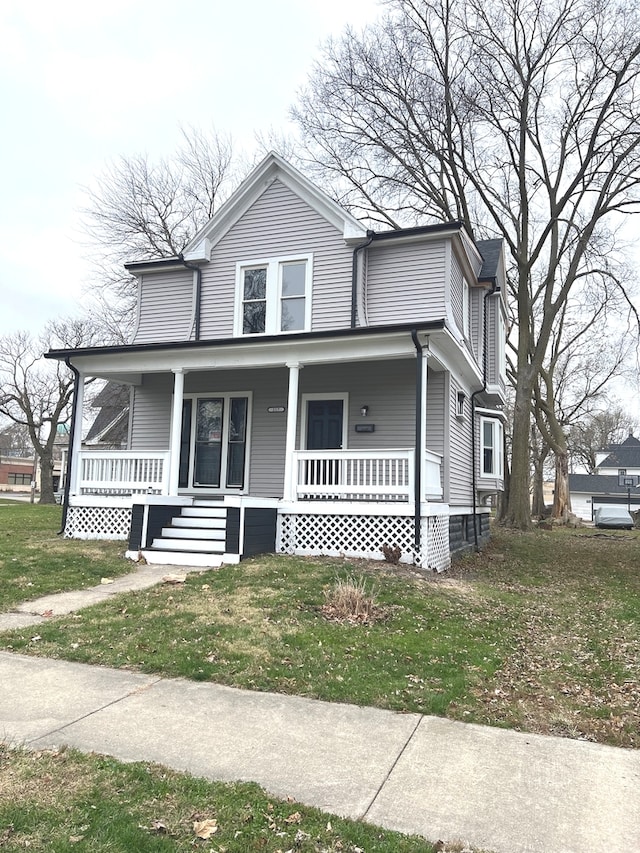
[[365, 427]]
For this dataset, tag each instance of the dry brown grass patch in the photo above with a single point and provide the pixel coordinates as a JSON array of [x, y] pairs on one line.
[[351, 600]]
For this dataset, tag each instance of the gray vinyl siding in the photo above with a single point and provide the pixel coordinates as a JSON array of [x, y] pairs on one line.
[[460, 440], [493, 369], [279, 224], [268, 388], [456, 292], [165, 306], [388, 388], [477, 323], [151, 413], [405, 282]]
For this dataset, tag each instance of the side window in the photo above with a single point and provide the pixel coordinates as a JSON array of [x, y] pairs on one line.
[[491, 447]]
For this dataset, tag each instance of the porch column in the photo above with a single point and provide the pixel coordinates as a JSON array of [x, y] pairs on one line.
[[423, 421], [292, 420], [176, 430], [76, 448]]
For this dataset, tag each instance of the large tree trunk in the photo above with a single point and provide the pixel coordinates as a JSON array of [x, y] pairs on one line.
[[561, 495], [518, 512], [46, 477], [538, 508]]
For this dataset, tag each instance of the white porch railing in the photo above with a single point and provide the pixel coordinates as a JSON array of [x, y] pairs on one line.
[[122, 472], [373, 475]]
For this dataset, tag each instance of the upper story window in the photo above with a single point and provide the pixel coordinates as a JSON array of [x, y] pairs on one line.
[[273, 296], [492, 448]]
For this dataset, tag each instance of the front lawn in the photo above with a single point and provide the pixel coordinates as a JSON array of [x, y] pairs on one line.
[[540, 632], [35, 560]]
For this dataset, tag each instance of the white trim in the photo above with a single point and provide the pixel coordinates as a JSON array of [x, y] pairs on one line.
[[272, 168], [273, 294], [329, 395], [497, 448]]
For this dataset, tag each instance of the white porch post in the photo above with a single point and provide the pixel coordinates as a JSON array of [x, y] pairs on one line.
[[290, 441], [76, 466], [176, 430], [423, 423]]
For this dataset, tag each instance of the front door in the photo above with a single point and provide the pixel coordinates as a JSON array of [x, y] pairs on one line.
[[324, 424], [213, 444]]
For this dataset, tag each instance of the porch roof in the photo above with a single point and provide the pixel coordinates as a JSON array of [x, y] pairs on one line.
[[126, 363]]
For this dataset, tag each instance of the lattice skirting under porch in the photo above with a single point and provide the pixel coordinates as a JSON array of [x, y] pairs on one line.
[[362, 536], [98, 522]]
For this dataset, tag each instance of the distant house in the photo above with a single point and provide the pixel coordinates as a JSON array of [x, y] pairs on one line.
[[110, 426], [297, 383], [615, 483]]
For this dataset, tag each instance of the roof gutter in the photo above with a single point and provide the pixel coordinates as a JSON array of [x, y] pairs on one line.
[[72, 432], [354, 276], [198, 272], [474, 441]]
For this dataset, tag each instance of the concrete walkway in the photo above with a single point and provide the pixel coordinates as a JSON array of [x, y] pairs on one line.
[[492, 788]]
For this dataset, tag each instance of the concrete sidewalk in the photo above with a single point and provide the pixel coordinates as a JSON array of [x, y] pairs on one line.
[[492, 788]]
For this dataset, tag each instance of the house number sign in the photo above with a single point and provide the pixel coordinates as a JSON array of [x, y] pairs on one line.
[[276, 410]]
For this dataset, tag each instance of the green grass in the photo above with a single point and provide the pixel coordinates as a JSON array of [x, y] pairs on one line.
[[35, 560], [540, 632], [60, 802]]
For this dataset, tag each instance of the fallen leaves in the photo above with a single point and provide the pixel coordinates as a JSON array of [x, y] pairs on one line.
[[205, 828]]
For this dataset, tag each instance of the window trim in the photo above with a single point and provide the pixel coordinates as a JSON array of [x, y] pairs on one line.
[[497, 447], [273, 296]]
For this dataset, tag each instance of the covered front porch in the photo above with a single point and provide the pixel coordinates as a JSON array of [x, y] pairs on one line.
[[340, 437]]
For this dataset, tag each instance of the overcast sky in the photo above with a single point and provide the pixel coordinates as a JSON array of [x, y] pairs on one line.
[[82, 83]]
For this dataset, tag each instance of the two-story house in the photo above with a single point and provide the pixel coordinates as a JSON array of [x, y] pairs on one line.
[[301, 384]]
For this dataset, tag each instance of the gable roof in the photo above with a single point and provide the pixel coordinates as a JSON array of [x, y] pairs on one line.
[[624, 455], [272, 168], [111, 422]]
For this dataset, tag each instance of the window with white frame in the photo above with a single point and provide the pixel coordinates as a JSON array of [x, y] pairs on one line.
[[491, 433], [273, 296]]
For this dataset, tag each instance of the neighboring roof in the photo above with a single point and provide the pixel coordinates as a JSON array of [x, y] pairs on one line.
[[491, 251], [111, 422], [597, 484], [624, 455]]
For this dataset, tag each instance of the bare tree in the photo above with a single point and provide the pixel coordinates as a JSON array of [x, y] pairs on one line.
[[519, 118], [597, 431], [139, 210], [35, 394], [15, 441]]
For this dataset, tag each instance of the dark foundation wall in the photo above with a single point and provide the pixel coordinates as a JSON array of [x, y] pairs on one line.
[[461, 532]]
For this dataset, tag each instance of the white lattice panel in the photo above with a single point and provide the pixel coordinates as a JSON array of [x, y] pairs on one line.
[[98, 522], [362, 536]]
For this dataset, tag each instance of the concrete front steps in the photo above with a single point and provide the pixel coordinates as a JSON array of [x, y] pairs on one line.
[[196, 537]]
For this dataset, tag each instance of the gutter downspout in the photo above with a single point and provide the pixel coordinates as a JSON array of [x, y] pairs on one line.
[[474, 477], [354, 276], [67, 479], [417, 474], [198, 272]]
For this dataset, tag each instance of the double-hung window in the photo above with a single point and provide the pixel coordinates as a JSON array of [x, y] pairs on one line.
[[273, 296], [492, 447]]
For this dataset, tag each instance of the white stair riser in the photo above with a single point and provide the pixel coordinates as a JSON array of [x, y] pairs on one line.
[[199, 523], [193, 533], [190, 545], [202, 512]]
